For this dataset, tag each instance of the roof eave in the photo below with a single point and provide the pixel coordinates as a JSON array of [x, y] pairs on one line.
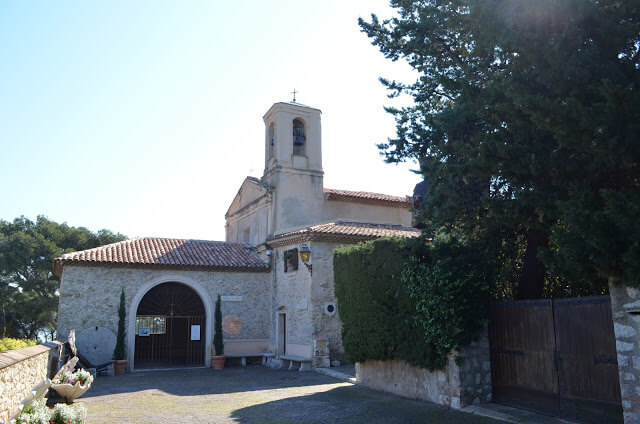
[[59, 264]]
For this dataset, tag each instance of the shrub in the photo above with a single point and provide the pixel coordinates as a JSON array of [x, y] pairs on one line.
[[410, 300], [119, 351], [12, 344], [218, 343]]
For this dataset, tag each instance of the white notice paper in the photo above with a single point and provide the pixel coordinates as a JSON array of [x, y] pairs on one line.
[[195, 332]]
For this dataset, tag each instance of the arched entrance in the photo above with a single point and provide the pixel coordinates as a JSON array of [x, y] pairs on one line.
[[170, 328]]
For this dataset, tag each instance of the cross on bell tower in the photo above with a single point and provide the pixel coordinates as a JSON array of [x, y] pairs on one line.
[[294, 94]]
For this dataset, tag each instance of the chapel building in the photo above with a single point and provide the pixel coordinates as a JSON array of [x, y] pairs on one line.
[[273, 300]]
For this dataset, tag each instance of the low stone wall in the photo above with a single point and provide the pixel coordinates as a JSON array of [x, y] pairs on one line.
[[21, 370], [625, 309], [454, 386]]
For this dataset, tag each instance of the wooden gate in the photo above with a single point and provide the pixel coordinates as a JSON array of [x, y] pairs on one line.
[[557, 357], [170, 328]]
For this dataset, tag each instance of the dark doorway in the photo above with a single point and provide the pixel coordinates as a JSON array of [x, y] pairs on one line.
[[557, 357], [170, 328]]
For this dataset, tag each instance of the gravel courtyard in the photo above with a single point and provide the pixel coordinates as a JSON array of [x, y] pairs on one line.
[[253, 394]]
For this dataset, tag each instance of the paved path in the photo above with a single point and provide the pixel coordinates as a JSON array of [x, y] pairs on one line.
[[253, 394]]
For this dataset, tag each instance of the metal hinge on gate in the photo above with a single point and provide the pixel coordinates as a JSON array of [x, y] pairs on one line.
[[605, 360]]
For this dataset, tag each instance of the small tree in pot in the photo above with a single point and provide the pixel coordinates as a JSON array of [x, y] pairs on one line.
[[218, 359], [119, 352]]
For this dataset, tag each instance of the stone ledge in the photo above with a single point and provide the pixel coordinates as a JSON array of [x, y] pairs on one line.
[[336, 374], [18, 355]]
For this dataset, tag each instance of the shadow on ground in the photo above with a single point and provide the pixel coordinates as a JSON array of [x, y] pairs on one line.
[[253, 394], [352, 404], [204, 381]]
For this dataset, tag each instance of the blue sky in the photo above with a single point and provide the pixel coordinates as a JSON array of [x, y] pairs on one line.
[[144, 117]]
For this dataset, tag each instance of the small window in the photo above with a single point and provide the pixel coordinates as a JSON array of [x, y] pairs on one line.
[[246, 236], [291, 260], [155, 324]]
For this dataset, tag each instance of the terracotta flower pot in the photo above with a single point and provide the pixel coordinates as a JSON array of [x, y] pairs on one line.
[[120, 367], [218, 361]]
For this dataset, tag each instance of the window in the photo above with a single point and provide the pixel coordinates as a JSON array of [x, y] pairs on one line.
[[291, 260], [246, 236], [155, 324]]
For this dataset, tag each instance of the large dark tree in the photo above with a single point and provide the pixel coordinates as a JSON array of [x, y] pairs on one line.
[[28, 288], [526, 123]]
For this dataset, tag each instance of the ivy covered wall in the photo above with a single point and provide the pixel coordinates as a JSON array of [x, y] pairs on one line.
[[408, 299]]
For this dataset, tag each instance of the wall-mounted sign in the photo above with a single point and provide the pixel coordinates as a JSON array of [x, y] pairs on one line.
[[195, 332], [231, 298], [144, 332]]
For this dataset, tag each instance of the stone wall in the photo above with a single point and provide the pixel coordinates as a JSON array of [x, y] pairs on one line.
[[23, 369], [625, 308], [89, 298], [326, 325], [304, 297], [454, 386], [292, 297]]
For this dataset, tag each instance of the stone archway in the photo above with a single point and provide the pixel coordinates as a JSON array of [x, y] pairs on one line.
[[170, 310]]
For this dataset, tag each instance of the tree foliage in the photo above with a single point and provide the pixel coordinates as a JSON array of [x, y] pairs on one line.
[[218, 342], [28, 288], [450, 288], [525, 121], [119, 351]]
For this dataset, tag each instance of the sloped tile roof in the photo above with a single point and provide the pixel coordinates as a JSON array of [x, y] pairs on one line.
[[152, 252], [344, 231], [367, 198]]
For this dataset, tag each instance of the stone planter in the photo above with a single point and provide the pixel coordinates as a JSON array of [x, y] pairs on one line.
[[70, 392], [120, 367], [218, 362]]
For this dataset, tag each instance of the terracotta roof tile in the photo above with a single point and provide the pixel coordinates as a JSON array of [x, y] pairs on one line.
[[346, 231], [167, 253], [367, 197]]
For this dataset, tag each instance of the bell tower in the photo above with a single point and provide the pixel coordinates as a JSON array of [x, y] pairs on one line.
[[293, 165]]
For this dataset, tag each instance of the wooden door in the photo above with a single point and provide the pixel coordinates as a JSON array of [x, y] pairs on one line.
[[587, 365], [557, 357]]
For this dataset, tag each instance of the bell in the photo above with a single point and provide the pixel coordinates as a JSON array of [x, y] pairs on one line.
[[299, 141]]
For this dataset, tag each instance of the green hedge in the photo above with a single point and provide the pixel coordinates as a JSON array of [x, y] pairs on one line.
[[11, 344], [378, 316], [405, 299]]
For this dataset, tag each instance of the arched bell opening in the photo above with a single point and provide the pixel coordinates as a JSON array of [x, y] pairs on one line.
[[272, 140], [299, 138], [170, 328]]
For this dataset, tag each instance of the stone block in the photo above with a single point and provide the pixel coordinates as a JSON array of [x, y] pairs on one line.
[[624, 346], [623, 360], [624, 331]]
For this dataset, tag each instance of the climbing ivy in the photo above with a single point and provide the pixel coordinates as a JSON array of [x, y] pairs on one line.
[[409, 299]]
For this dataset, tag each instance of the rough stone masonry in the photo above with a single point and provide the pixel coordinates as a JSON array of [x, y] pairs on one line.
[[625, 308]]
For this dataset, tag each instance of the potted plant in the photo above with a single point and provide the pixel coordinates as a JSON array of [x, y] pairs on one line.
[[218, 359], [120, 365], [71, 385]]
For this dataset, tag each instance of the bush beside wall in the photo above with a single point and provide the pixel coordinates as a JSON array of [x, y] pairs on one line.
[[377, 314], [11, 344], [408, 299]]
